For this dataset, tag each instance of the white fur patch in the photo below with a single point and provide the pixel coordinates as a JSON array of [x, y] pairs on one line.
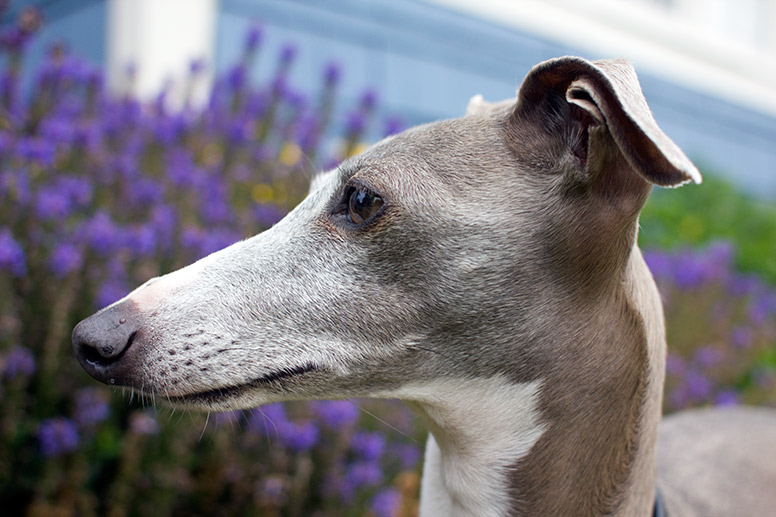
[[480, 428]]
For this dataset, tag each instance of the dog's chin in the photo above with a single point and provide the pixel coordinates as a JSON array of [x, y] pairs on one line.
[[276, 386], [209, 401]]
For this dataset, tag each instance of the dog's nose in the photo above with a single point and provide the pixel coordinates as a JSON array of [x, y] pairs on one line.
[[102, 340]]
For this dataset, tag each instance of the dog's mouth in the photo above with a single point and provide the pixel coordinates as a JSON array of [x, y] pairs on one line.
[[274, 379]]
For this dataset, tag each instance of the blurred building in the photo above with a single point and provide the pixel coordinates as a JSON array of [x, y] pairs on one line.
[[708, 67]]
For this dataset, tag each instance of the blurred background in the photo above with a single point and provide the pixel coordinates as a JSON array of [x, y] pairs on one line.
[[139, 135]]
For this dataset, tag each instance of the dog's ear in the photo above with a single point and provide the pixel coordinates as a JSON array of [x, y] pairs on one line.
[[571, 97]]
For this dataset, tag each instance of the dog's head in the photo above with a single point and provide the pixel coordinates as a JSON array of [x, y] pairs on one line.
[[453, 249]]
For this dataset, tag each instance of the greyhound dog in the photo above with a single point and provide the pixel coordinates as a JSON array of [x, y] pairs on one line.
[[485, 271]]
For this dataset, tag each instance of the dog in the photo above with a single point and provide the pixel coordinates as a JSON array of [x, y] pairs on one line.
[[484, 270]]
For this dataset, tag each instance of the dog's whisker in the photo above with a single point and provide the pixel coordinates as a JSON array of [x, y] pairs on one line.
[[266, 428], [204, 427], [382, 421]]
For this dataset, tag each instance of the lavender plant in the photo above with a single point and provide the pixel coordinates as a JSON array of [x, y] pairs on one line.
[[721, 327], [98, 193]]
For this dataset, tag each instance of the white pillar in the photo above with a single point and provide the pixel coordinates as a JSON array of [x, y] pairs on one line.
[[160, 39]]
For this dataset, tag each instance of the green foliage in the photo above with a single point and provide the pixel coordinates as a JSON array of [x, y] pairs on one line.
[[715, 210]]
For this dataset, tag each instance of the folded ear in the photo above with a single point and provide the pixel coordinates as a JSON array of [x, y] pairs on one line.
[[573, 96]]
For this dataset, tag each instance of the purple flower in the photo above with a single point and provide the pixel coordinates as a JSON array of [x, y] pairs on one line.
[[65, 259], [191, 238], [393, 125], [216, 240], [57, 436], [280, 86], [294, 98], [386, 503], [126, 167], [332, 73], [112, 290], [287, 54], [78, 190], [355, 123], [742, 337], [38, 150], [727, 398], [181, 168], [14, 39], [146, 192], [298, 436], [257, 105], [690, 272], [720, 254], [332, 163], [236, 78], [762, 307], [364, 474], [100, 233], [167, 130], [239, 129], [336, 414], [165, 221], [698, 385], [708, 357], [743, 284], [267, 214], [253, 38], [96, 80], [263, 154], [369, 446], [408, 455], [88, 136], [308, 132], [368, 100], [216, 209], [52, 203], [659, 263], [18, 361], [271, 420], [11, 254], [56, 129], [91, 407], [265, 419], [141, 240], [197, 66]]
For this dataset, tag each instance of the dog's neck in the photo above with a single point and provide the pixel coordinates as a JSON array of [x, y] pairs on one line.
[[479, 428], [546, 447]]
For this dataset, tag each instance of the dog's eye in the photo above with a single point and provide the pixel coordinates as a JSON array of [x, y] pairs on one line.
[[363, 204]]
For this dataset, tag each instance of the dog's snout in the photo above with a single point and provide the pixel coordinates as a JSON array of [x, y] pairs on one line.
[[102, 341]]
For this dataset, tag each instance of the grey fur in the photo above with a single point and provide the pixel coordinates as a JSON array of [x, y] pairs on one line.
[[505, 249]]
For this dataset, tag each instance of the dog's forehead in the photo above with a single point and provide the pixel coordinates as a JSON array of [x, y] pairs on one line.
[[460, 139], [448, 151]]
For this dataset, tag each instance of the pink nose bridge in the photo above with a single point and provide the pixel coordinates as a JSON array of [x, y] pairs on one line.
[[153, 293]]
